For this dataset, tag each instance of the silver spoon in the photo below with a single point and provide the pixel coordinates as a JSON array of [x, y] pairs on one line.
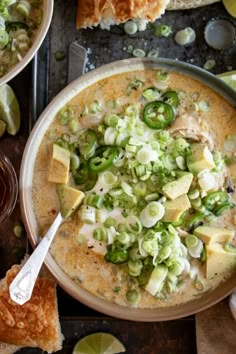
[[22, 286]]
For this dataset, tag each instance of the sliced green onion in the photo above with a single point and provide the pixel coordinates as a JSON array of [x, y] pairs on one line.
[[140, 189], [94, 200], [157, 279], [130, 27], [19, 230], [95, 107], [87, 214], [169, 162], [4, 38], [135, 267], [108, 178], [152, 213], [228, 247], [130, 49], [151, 197], [194, 194], [111, 120], [180, 161], [185, 36], [209, 64], [74, 161], [127, 188], [23, 8], [100, 234], [151, 94], [59, 55], [109, 222], [116, 192], [101, 215], [130, 148], [110, 136], [162, 75], [65, 115], [133, 224], [176, 268], [146, 155], [164, 253], [139, 53], [124, 238], [154, 53], [162, 30], [132, 296], [73, 126], [191, 241]]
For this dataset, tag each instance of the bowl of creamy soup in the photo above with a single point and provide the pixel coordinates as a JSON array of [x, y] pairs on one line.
[[23, 27], [139, 158]]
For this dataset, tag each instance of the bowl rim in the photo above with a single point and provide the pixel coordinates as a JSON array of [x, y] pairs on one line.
[[13, 184], [26, 175], [42, 32]]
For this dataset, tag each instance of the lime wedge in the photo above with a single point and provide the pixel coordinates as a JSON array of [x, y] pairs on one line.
[[9, 109], [2, 128], [230, 6], [229, 78], [98, 343]]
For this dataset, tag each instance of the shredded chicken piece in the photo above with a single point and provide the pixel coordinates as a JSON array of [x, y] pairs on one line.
[[188, 126]]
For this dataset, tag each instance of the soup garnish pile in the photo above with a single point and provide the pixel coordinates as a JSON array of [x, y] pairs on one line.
[[143, 169], [19, 23]]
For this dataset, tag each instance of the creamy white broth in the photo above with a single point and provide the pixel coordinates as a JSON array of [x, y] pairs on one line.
[[84, 262]]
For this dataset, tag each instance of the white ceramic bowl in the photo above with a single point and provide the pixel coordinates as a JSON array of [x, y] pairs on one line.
[[47, 17], [26, 177]]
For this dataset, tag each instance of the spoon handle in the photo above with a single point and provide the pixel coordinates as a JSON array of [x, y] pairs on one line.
[[22, 286]]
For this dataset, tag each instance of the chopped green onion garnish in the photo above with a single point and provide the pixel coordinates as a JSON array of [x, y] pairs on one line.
[[139, 53], [132, 296], [130, 27]]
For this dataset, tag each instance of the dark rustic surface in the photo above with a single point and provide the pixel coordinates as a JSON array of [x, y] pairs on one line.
[[106, 46], [175, 337], [172, 337]]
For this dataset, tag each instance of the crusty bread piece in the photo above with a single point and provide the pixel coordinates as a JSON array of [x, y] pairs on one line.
[[8, 348], [188, 4], [34, 324], [109, 12]]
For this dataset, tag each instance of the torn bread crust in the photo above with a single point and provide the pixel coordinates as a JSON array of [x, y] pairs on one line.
[[110, 12], [34, 324], [8, 348]]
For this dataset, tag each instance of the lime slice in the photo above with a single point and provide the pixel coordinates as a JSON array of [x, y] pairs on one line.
[[99, 343], [9, 109], [2, 128], [229, 78], [230, 6]]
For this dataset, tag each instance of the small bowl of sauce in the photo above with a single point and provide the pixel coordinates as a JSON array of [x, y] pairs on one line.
[[8, 187]]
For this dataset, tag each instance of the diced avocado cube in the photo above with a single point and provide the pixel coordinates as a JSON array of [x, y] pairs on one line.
[[60, 165], [210, 234], [176, 188], [174, 208], [200, 159], [157, 279], [69, 198], [218, 260]]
